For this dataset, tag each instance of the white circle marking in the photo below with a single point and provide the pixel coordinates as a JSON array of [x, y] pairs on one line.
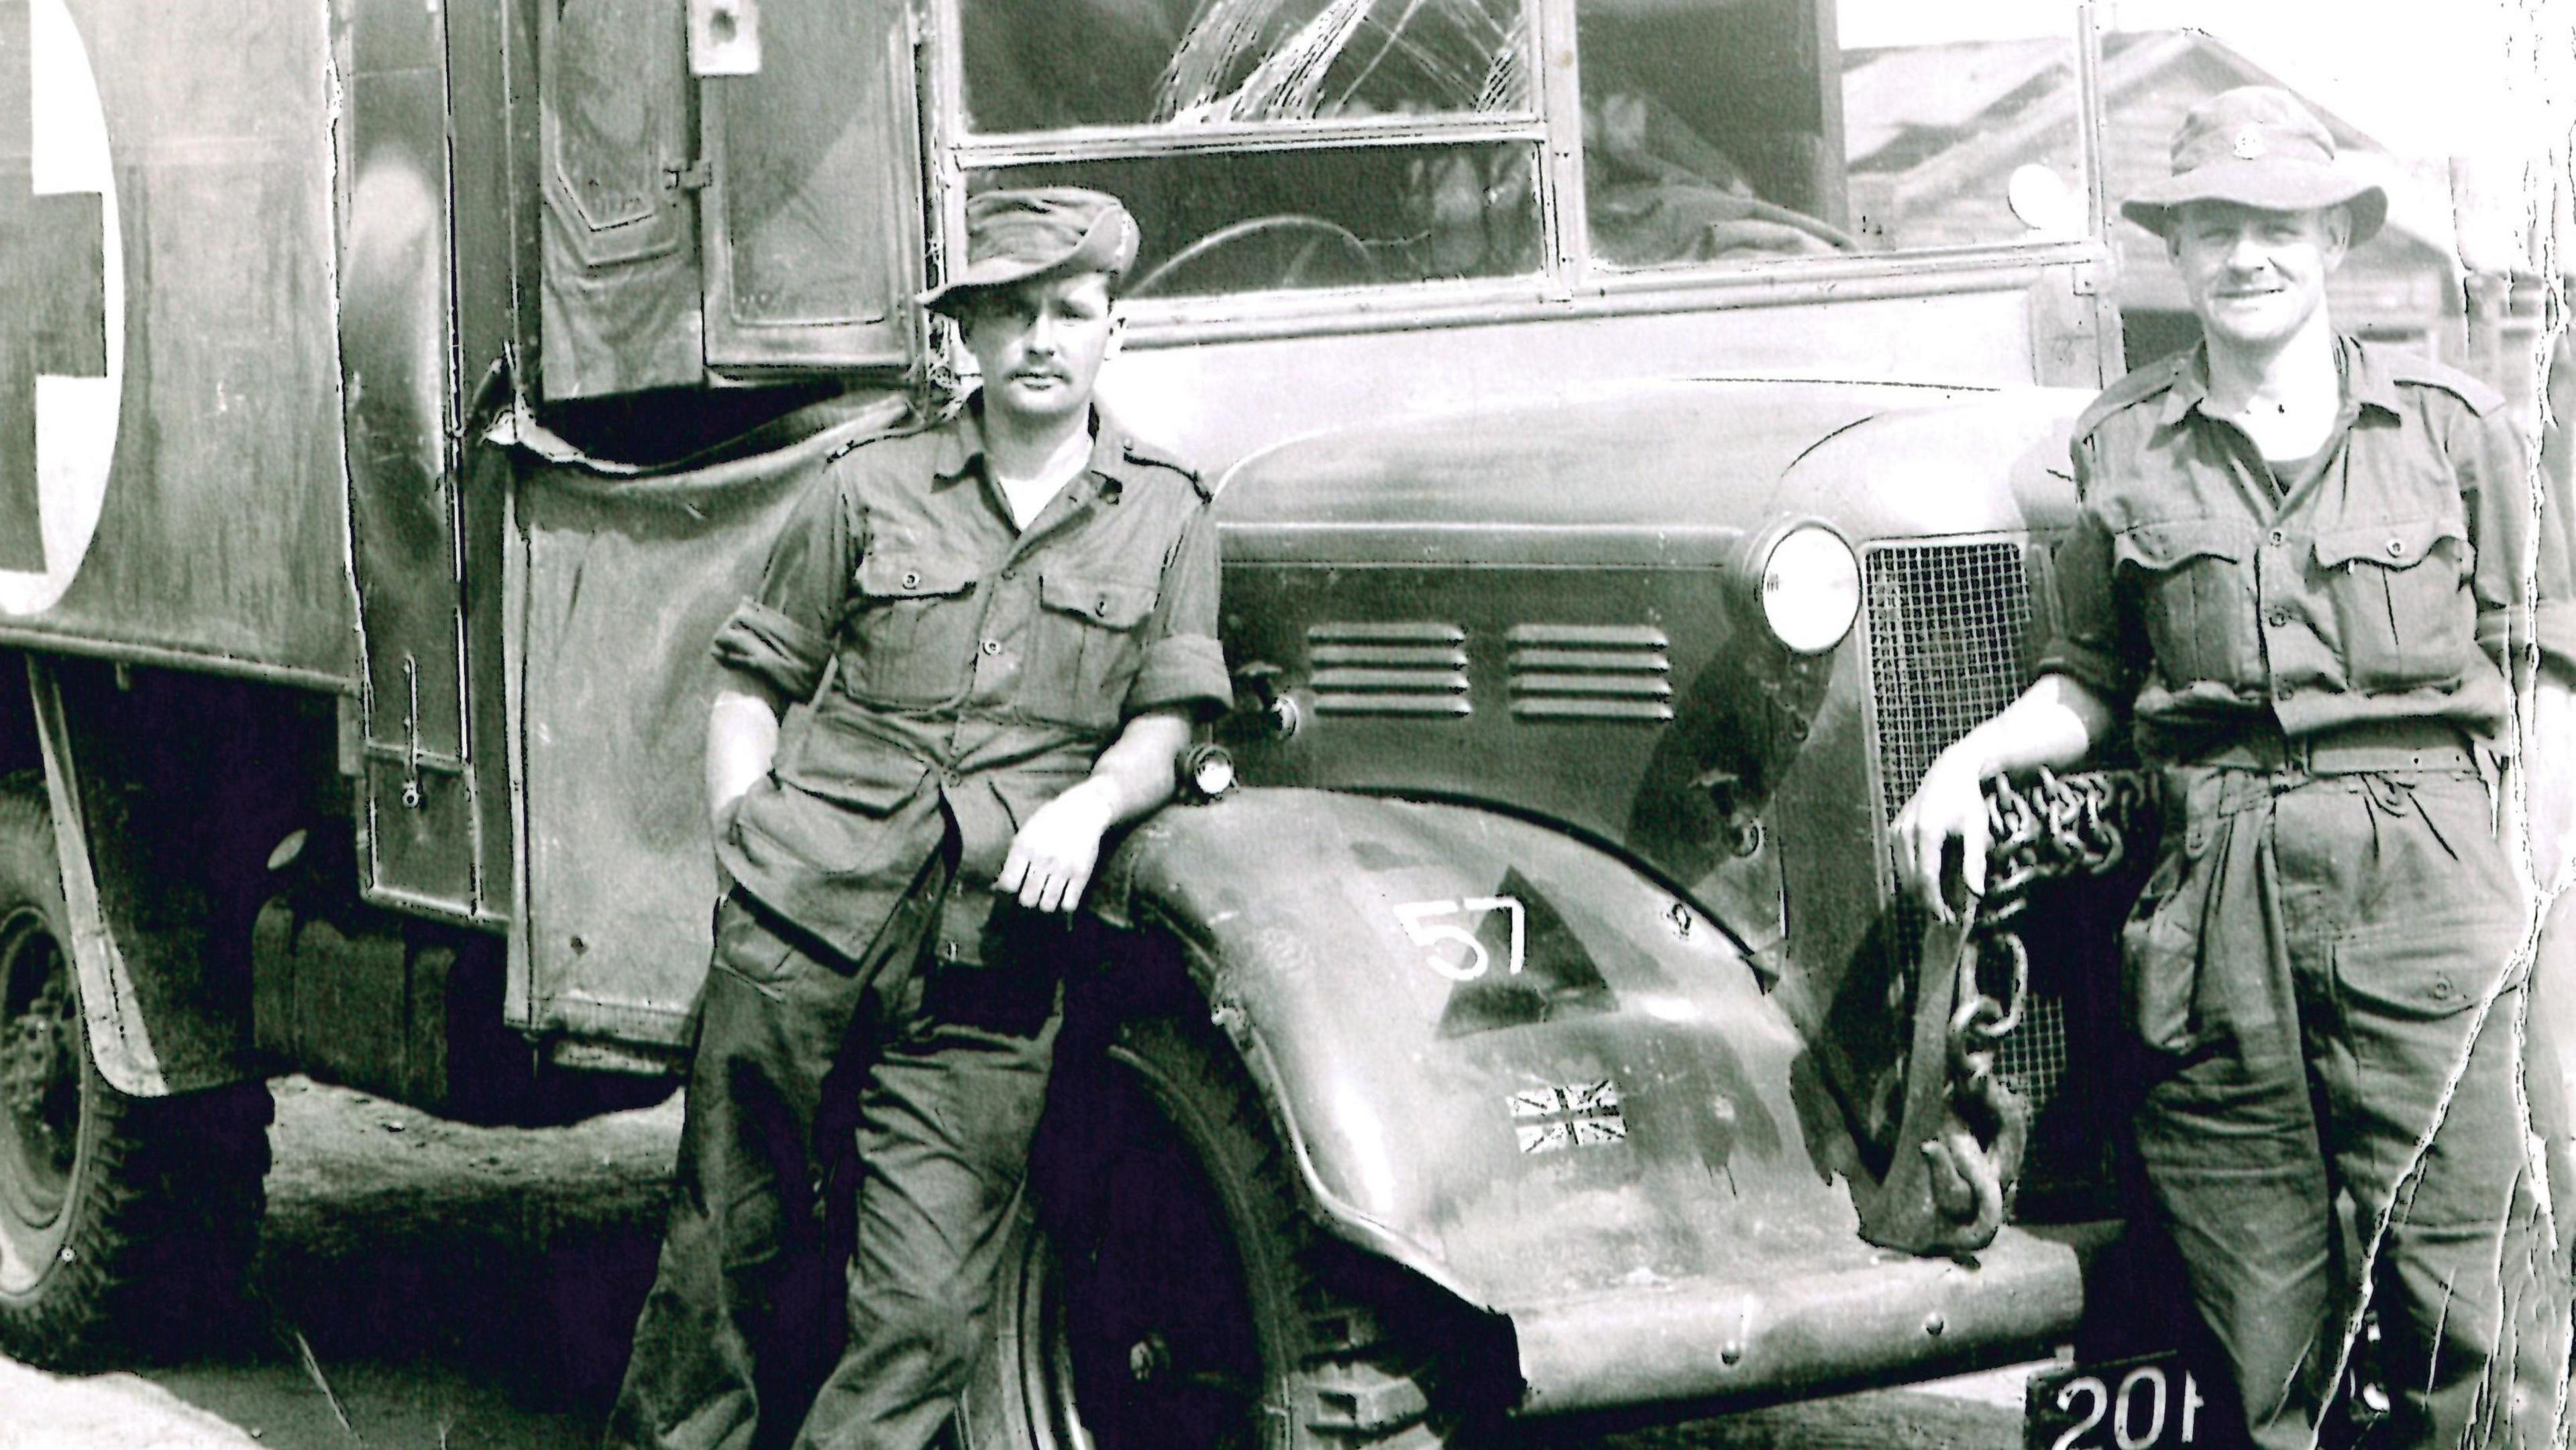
[[75, 417]]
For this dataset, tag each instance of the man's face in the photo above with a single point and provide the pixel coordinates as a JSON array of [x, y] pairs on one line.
[[2254, 277], [1040, 344]]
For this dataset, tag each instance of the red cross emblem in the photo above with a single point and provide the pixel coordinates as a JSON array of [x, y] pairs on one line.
[[58, 304]]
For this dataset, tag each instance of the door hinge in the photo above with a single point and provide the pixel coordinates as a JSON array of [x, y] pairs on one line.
[[693, 177]]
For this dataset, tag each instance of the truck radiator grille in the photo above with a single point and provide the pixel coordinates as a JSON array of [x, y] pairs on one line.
[[2032, 1061], [1947, 627], [1946, 622], [1590, 672], [1399, 669]]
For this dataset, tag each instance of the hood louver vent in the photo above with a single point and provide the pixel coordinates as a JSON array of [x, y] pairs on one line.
[[1590, 672], [1389, 669]]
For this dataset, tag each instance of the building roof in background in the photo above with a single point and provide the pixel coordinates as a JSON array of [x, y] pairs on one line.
[[1943, 117]]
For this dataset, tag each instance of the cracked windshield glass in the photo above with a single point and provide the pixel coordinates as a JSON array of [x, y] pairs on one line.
[[1282, 144]]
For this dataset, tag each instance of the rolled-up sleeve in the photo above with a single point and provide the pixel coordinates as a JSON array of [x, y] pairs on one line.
[[2098, 644], [2523, 578], [780, 639], [1183, 666]]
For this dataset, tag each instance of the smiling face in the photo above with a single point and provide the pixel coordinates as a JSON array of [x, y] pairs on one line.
[[1040, 344], [2255, 277]]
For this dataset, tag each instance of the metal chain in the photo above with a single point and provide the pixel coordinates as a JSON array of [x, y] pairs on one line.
[[2052, 828]]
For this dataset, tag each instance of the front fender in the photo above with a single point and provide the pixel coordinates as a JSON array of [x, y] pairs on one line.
[[1623, 1147], [1625, 1109]]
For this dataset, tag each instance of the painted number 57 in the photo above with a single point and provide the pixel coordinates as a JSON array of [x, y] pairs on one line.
[[1439, 925]]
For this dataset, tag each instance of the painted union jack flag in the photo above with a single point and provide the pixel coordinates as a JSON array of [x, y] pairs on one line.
[[1579, 1115]]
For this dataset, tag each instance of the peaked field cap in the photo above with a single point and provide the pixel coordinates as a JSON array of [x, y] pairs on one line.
[[1012, 236], [2258, 147]]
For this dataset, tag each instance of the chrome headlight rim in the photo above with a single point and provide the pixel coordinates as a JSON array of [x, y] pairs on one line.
[[1807, 577]]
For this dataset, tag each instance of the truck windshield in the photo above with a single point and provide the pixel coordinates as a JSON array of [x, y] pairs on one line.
[[1271, 145]]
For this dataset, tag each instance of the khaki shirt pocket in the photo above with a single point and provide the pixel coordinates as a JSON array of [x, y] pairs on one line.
[[1087, 647], [2191, 582], [910, 627], [2401, 601]]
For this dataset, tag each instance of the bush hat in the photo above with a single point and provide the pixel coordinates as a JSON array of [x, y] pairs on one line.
[[2257, 146], [1012, 236]]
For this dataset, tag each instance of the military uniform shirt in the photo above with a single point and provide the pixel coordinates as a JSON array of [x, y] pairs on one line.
[[952, 658], [2387, 583]]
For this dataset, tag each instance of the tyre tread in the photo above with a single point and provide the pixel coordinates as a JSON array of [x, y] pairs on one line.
[[166, 1206]]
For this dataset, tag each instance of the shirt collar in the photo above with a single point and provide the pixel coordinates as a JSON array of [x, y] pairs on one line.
[[2365, 382], [1118, 458]]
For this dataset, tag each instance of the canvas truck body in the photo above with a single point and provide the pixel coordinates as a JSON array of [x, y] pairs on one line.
[[407, 393]]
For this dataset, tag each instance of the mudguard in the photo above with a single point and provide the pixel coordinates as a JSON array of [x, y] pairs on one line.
[[1513, 1063]]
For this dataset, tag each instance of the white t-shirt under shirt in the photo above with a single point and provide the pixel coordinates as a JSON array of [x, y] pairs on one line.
[[1028, 497]]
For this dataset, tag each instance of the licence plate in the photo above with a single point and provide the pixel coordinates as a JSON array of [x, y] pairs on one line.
[[2148, 1403]]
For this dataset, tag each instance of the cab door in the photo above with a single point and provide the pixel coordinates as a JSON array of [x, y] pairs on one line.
[[696, 226], [812, 213]]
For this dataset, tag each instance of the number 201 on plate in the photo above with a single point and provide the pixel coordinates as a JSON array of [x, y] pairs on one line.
[[2138, 1404]]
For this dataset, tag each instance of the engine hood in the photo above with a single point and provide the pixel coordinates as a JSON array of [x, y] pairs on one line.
[[1654, 473]]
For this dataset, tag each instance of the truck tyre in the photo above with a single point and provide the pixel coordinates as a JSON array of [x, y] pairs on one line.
[[1184, 1301], [124, 1222]]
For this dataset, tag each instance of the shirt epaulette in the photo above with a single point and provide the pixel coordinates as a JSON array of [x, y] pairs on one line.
[[2138, 385], [2424, 372], [911, 425], [1139, 453]]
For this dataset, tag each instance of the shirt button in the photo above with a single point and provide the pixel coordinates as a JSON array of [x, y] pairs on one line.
[[2278, 536], [1102, 608], [2396, 548], [992, 646], [2441, 988], [911, 580], [2278, 618], [952, 777], [1008, 574]]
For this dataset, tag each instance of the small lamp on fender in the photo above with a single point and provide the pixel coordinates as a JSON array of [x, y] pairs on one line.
[[1206, 773]]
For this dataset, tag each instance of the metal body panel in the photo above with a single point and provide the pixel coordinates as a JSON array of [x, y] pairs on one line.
[[169, 792], [1623, 1146], [221, 524], [1208, 384], [812, 214], [618, 293], [1743, 773], [420, 826], [1393, 1068]]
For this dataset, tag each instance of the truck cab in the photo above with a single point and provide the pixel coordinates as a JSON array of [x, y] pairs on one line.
[[1638, 429]]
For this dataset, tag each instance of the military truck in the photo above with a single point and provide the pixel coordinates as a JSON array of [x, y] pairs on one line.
[[1640, 426]]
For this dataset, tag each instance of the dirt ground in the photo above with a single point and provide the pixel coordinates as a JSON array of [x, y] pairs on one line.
[[425, 1284]]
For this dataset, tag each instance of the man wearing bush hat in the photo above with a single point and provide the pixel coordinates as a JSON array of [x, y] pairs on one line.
[[2299, 571], [1001, 622]]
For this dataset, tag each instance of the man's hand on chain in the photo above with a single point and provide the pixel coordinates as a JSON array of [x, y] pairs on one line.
[[1053, 854], [1950, 805]]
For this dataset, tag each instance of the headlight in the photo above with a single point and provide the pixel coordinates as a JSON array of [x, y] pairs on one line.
[[1810, 588]]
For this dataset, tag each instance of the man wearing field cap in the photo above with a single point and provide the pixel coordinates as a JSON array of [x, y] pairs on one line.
[[2304, 570], [1001, 623]]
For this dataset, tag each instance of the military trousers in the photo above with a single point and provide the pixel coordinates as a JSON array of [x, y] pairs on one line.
[[2327, 972], [875, 1114]]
